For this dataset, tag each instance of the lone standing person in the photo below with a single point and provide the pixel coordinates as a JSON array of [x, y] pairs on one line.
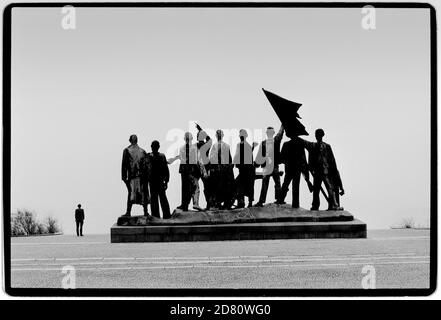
[[158, 181], [134, 173], [269, 158], [79, 220]]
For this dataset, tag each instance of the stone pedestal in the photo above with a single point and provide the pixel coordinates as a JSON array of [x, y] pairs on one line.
[[268, 222]]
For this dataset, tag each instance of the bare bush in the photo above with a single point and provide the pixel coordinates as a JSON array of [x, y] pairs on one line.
[[407, 223], [24, 223], [52, 225], [41, 229], [16, 227]]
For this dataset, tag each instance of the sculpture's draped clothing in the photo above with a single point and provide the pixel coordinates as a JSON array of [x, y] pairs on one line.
[[134, 171]]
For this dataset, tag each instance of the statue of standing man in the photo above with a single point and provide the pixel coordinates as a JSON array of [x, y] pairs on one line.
[[134, 173], [324, 169]]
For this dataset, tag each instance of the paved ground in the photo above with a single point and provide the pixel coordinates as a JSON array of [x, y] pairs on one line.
[[400, 258]]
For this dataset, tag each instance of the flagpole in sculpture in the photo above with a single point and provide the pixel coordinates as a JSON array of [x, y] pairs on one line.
[[288, 113]]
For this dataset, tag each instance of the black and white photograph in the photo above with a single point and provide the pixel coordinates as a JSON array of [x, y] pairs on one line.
[[219, 149]]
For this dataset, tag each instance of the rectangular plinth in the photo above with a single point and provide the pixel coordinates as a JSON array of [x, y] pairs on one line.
[[239, 231]]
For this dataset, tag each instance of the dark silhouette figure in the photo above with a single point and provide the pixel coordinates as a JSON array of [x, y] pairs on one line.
[[243, 160], [293, 156], [268, 158], [79, 220], [158, 181], [203, 145], [221, 173], [324, 169], [190, 173], [134, 173]]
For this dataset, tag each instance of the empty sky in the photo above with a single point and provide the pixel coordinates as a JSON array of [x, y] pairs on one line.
[[78, 94]]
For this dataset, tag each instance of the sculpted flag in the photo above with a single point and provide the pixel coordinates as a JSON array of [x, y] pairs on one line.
[[287, 111]]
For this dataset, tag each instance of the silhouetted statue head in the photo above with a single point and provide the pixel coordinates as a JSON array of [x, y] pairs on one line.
[[219, 135], [79, 206], [133, 139], [188, 137], [319, 134], [202, 135], [270, 132], [243, 134], [155, 145]]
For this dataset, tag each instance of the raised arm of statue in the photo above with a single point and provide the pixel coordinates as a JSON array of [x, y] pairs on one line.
[[284, 153], [279, 135]]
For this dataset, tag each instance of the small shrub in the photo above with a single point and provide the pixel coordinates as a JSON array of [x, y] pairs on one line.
[[52, 225], [16, 227], [41, 228], [24, 223], [408, 223]]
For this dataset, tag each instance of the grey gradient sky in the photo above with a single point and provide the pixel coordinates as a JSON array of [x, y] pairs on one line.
[[78, 94]]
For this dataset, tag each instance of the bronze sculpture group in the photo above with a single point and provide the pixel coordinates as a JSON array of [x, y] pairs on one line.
[[146, 175]]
